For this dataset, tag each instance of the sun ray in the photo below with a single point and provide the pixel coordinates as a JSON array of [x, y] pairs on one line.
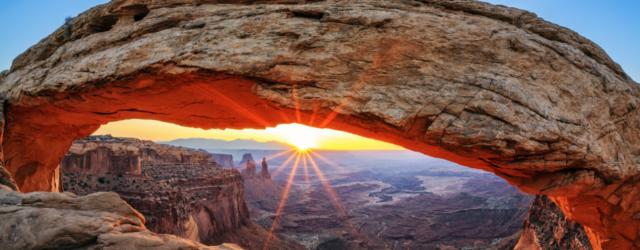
[[276, 155], [301, 137], [377, 62], [306, 170], [334, 113], [283, 200], [328, 161], [332, 195], [313, 114], [307, 181], [234, 105], [284, 117], [296, 103], [276, 172]]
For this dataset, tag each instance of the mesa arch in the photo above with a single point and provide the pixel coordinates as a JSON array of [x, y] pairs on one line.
[[486, 86]]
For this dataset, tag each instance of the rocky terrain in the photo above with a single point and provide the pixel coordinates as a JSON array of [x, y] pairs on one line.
[[180, 191], [489, 87], [547, 228], [397, 204], [44, 220]]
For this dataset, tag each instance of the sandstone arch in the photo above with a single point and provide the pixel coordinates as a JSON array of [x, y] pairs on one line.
[[486, 86]]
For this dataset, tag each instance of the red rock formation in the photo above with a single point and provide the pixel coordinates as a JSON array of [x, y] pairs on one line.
[[44, 220], [547, 228], [249, 170], [489, 87], [246, 158], [93, 158], [180, 191], [264, 169]]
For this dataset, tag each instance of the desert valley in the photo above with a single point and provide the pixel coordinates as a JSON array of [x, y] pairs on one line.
[[217, 191]]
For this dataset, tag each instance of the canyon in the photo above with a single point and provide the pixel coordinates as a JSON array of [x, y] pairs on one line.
[[488, 87], [390, 200], [180, 191], [401, 200]]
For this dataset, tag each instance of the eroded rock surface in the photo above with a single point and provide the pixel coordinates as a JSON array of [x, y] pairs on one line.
[[249, 168], [44, 220], [486, 86], [547, 228], [179, 191]]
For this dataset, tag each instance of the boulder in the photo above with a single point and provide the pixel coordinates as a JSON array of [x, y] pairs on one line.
[[45, 220]]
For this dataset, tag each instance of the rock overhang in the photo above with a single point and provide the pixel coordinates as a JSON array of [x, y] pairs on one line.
[[486, 86]]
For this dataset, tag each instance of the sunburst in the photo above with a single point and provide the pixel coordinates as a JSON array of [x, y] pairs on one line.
[[302, 139], [306, 159]]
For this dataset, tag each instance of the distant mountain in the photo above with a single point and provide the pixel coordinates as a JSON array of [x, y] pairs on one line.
[[216, 144]]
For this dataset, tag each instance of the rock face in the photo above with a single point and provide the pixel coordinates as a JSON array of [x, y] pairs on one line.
[[94, 158], [489, 87], [247, 157], [249, 168], [224, 160], [179, 191], [547, 228], [105, 154], [264, 169], [42, 220]]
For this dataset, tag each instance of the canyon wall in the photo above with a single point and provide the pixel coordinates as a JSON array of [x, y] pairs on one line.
[[224, 160], [488, 87], [180, 191], [44, 220]]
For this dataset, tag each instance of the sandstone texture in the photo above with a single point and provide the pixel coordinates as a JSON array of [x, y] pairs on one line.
[[489, 87], [547, 228], [179, 191], [104, 154], [44, 220]]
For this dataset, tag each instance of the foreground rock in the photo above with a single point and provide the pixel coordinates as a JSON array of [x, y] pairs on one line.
[[42, 220], [486, 86], [180, 191], [547, 228]]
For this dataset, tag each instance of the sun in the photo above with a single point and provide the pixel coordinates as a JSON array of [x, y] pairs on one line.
[[301, 137], [303, 143]]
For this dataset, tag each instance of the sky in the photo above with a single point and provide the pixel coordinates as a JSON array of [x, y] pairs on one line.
[[614, 25], [292, 134]]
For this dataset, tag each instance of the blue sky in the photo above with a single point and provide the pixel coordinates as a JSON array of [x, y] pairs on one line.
[[614, 25]]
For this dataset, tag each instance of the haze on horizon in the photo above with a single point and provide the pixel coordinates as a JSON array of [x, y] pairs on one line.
[[291, 134]]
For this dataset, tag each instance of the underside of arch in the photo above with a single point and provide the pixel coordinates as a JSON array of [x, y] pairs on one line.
[[488, 87]]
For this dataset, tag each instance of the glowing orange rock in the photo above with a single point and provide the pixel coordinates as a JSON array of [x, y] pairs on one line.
[[488, 87]]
